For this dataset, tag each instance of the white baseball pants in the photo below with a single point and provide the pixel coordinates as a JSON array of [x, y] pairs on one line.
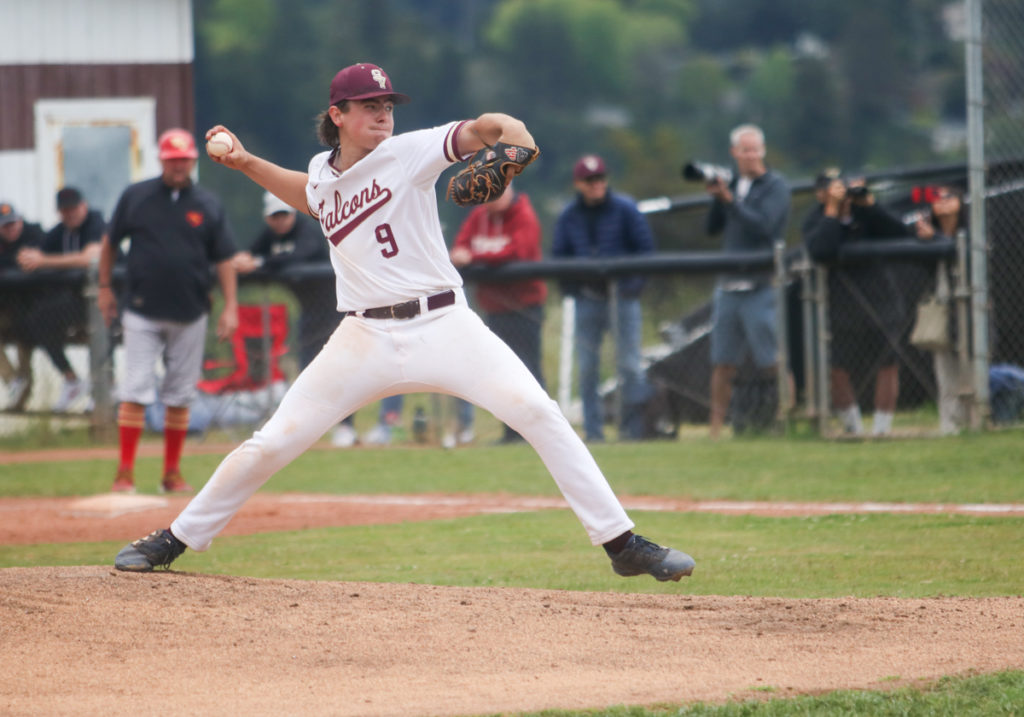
[[448, 350]]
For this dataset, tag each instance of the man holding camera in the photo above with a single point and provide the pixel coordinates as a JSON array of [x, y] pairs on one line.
[[750, 211], [867, 311]]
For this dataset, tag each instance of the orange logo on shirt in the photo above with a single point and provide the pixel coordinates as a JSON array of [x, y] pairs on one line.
[[195, 219]]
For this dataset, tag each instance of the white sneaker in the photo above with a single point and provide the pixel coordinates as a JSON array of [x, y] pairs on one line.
[[466, 435], [69, 393], [448, 440], [379, 435], [853, 424], [882, 424], [16, 391], [344, 436]]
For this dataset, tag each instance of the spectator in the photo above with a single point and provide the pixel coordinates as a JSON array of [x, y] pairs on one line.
[[177, 229], [290, 240], [388, 418], [74, 243], [15, 235], [947, 218], [1006, 393], [750, 212], [287, 241], [603, 223], [495, 233], [867, 311]]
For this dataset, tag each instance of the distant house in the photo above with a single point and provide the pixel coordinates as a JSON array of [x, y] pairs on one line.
[[85, 89]]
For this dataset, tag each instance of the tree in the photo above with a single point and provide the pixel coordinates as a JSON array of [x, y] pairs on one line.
[[817, 124]]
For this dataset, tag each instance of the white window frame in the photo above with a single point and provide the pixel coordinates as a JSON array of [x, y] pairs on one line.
[[53, 115]]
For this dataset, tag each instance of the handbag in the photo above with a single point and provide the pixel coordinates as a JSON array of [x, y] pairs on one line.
[[931, 326]]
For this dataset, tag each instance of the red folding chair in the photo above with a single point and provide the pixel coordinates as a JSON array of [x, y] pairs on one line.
[[262, 332], [242, 393]]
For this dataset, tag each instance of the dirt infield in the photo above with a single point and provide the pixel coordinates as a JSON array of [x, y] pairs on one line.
[[92, 641]]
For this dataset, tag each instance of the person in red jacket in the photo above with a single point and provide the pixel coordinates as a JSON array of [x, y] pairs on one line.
[[501, 231]]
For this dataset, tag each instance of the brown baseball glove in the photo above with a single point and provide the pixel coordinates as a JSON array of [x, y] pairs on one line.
[[489, 172]]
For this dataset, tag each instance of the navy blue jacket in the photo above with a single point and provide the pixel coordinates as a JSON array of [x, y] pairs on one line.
[[61, 241], [614, 228]]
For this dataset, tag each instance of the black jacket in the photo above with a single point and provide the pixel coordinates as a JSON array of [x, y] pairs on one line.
[[866, 295]]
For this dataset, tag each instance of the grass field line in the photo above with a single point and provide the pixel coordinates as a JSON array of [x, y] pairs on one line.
[[508, 503]]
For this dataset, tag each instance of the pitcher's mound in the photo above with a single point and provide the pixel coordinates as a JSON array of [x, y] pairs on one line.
[[111, 505]]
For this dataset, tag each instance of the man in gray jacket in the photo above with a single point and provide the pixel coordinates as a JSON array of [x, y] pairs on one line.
[[750, 212]]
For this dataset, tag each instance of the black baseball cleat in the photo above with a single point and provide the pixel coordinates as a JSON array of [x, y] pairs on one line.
[[642, 556], [158, 549]]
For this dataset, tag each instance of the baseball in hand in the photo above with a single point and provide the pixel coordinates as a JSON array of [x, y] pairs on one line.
[[219, 144]]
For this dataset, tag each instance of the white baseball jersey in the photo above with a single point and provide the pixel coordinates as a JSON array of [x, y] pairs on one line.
[[380, 218]]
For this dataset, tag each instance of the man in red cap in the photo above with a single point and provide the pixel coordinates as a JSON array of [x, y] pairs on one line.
[[175, 230]]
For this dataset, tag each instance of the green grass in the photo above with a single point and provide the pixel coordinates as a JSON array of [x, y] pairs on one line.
[[975, 696], [829, 556], [974, 468]]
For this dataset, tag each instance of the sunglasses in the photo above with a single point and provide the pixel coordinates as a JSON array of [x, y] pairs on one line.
[[927, 195]]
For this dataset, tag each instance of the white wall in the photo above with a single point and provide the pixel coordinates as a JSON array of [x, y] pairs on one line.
[[19, 184], [59, 32]]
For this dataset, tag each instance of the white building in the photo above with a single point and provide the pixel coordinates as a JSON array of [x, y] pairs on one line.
[[86, 86]]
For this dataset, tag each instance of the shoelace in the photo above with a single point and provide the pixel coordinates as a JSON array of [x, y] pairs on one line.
[[645, 548], [159, 548]]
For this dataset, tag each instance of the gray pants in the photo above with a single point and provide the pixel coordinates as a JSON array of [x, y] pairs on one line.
[[178, 345]]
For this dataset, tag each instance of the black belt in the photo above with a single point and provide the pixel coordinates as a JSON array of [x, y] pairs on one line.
[[408, 309]]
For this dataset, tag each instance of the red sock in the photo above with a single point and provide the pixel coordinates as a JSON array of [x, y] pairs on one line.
[[175, 429], [131, 418]]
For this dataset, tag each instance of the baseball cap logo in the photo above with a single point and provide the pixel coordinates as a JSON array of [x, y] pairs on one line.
[[589, 165], [379, 77]]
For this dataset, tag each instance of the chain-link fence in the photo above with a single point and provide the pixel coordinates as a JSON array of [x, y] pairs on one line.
[[45, 311]]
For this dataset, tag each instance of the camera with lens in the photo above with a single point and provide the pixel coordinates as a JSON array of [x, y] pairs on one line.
[[831, 174], [705, 172]]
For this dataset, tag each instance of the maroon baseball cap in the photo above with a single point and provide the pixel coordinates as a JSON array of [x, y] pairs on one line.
[[587, 166], [177, 143], [361, 82]]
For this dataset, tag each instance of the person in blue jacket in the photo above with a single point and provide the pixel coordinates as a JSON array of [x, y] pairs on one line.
[[599, 222]]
